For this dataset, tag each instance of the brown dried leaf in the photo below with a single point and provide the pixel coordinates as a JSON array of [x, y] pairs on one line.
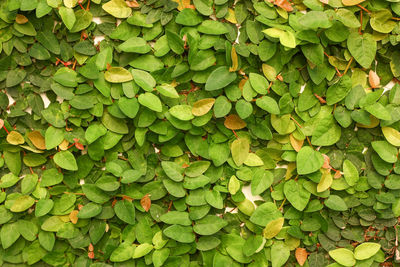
[[21, 19], [132, 3], [373, 79], [145, 202], [301, 255], [37, 139], [73, 216], [234, 122]]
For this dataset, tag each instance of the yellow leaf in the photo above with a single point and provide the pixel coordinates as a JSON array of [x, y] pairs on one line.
[[234, 57], [351, 2], [296, 144], [373, 124], [230, 16], [182, 4], [203, 106], [64, 145]]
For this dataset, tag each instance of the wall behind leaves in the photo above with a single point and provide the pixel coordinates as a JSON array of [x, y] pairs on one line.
[[151, 135]]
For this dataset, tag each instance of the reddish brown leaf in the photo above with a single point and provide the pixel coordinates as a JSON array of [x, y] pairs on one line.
[[301, 255], [91, 255], [284, 4], [327, 162], [337, 175], [79, 146], [145, 202]]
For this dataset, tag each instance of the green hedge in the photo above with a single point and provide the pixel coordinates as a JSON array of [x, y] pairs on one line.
[[199, 133]]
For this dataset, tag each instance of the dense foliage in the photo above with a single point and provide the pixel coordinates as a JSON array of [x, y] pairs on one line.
[[199, 133]]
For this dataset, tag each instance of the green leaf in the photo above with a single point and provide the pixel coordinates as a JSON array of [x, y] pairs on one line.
[[362, 48], [125, 211], [22, 203], [114, 124], [265, 213], [219, 78], [67, 16], [209, 225], [335, 202], [268, 104], [338, 91], [308, 160], [280, 253], [386, 151], [350, 172], [182, 112], [9, 234], [65, 160], [150, 101], [296, 194], [135, 45], [176, 217], [315, 19], [326, 133], [182, 234]]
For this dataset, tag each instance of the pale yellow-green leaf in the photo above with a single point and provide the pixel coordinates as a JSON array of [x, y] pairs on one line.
[[325, 182], [233, 185], [15, 138], [253, 160], [118, 75], [391, 135], [203, 106], [247, 207], [273, 228], [240, 150], [117, 8]]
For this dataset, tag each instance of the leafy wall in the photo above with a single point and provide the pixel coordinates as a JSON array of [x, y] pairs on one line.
[[199, 133]]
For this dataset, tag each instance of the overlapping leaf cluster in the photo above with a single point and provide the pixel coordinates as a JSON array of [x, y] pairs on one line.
[[154, 140]]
